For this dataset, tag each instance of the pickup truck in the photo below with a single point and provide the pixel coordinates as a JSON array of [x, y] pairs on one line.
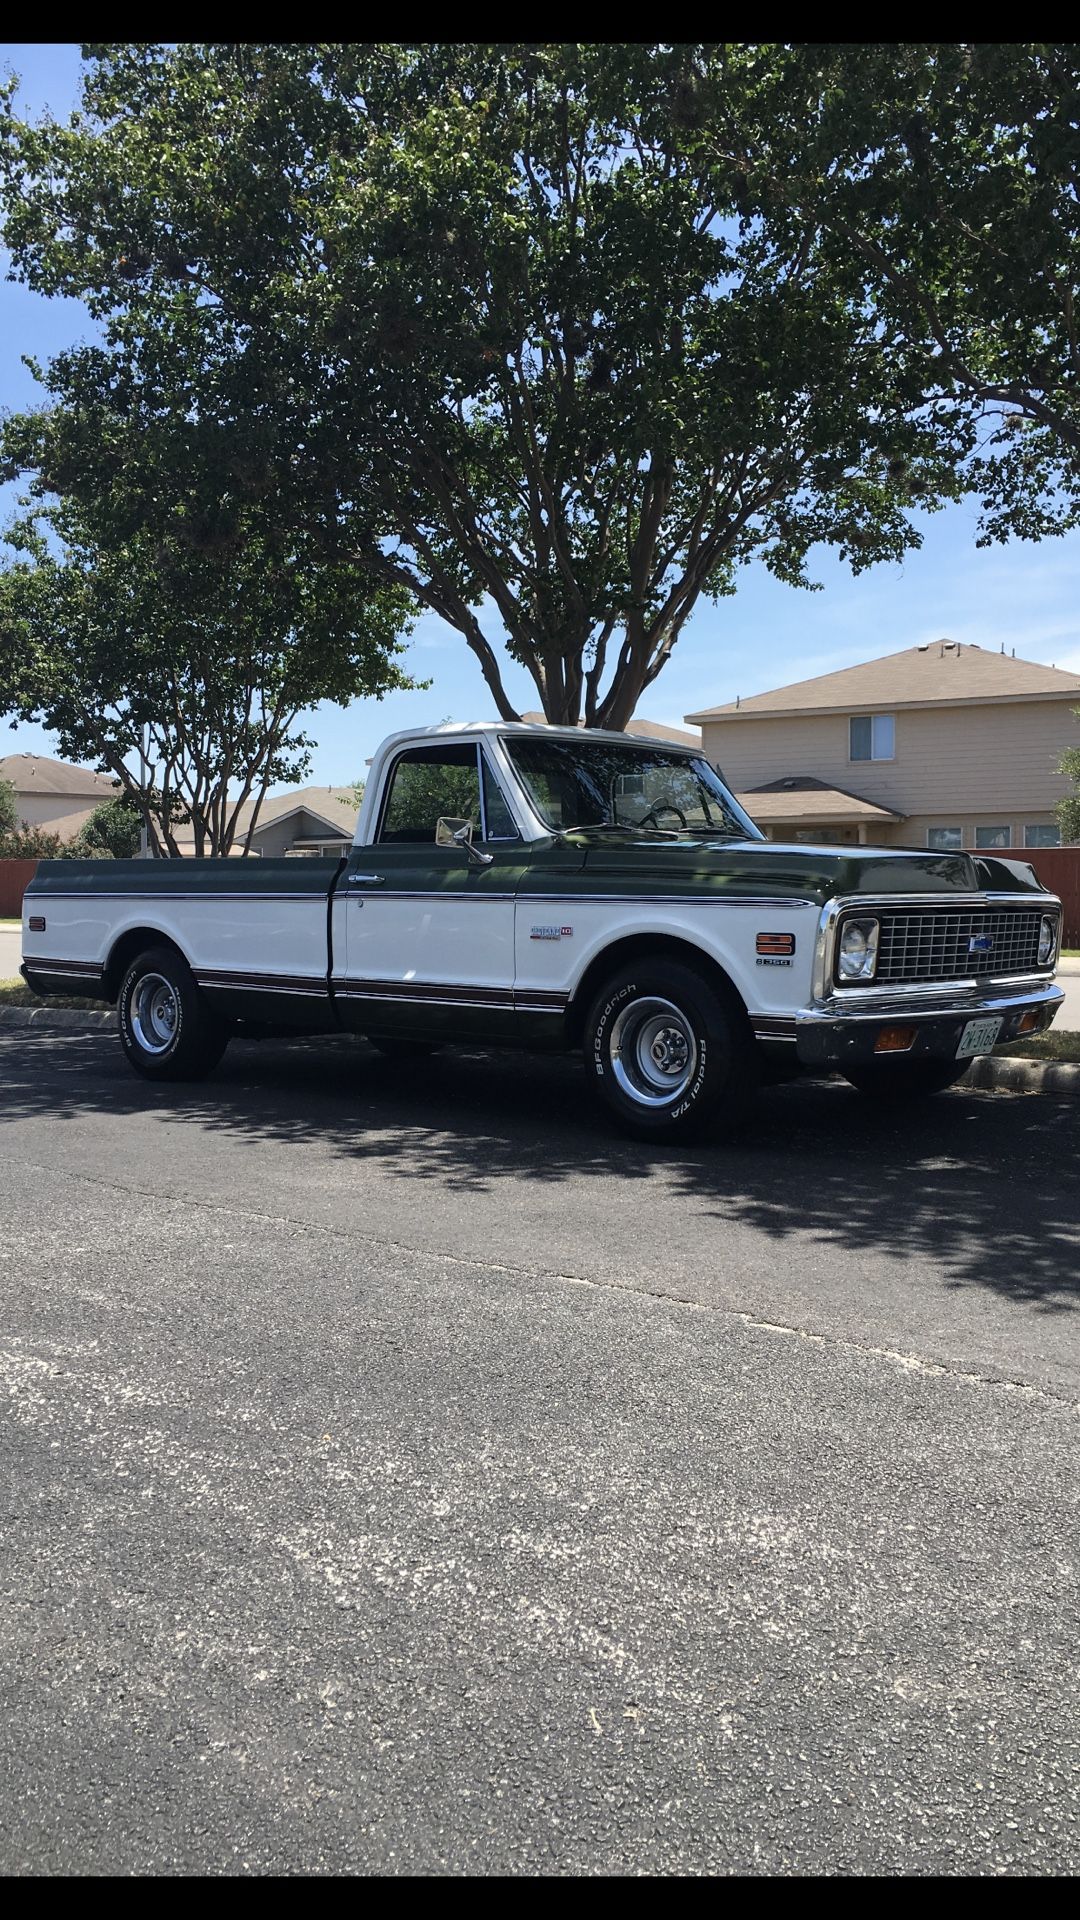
[[541, 887]]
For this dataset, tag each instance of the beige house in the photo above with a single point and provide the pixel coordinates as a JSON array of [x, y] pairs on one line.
[[51, 795], [940, 746], [306, 820]]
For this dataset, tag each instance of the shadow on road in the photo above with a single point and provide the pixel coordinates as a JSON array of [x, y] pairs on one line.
[[988, 1186]]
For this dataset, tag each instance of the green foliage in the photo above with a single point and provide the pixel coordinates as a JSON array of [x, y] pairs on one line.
[[113, 831], [9, 808], [1069, 809], [183, 671], [941, 178], [491, 323], [31, 843]]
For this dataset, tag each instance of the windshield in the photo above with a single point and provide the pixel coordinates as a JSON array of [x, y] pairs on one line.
[[601, 783]]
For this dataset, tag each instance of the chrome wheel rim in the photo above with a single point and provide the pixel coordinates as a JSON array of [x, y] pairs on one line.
[[155, 1013], [654, 1053]]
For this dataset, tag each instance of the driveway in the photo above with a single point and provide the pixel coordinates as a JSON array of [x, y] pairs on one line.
[[402, 1474]]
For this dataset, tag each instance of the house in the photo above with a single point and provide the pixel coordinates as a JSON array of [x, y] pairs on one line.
[[305, 820], [942, 745], [53, 796]]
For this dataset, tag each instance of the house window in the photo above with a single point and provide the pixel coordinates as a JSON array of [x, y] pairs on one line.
[[945, 839], [993, 836], [872, 736], [1042, 836]]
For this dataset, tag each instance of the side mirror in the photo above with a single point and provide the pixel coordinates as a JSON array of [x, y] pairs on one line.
[[459, 833]]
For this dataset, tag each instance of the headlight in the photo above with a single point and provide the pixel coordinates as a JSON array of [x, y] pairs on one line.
[[857, 956], [1047, 939]]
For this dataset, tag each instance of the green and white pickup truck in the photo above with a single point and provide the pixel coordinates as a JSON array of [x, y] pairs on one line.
[[537, 887]]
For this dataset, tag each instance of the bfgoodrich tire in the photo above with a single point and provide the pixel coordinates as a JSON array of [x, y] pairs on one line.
[[669, 1055], [167, 1029], [902, 1079]]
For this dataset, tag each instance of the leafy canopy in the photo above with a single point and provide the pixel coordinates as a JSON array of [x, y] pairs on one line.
[[497, 324], [183, 672], [944, 180]]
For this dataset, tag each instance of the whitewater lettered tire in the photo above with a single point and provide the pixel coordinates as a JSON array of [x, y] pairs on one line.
[[167, 1029], [669, 1053]]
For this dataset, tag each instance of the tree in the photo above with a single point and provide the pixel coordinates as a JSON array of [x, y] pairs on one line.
[[1069, 808], [946, 178], [9, 808], [181, 671], [113, 831], [491, 321], [31, 843]]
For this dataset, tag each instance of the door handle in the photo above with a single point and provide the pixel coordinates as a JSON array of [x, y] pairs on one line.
[[367, 879]]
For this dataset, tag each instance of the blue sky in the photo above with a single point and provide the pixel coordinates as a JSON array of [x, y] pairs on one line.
[[1027, 597]]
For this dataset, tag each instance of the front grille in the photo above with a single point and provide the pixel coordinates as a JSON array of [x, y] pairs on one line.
[[930, 943]]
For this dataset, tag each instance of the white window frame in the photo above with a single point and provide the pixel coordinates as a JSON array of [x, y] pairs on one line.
[[872, 718], [945, 827], [1036, 826], [993, 846]]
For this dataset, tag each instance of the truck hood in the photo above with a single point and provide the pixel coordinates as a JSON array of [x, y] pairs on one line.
[[803, 872]]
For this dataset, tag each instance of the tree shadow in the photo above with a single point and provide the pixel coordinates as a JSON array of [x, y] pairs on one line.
[[986, 1186]]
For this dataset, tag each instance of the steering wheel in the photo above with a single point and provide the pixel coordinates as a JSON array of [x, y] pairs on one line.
[[662, 806]]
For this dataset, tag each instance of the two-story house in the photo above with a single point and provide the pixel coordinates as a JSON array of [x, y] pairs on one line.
[[943, 745]]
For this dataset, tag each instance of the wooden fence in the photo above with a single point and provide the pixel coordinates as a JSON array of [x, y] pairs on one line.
[[15, 877], [1058, 869]]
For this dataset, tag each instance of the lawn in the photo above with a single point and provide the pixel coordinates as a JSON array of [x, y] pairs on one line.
[[1054, 1045], [15, 993]]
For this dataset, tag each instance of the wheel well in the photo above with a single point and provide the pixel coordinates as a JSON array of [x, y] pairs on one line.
[[134, 941], [636, 947]]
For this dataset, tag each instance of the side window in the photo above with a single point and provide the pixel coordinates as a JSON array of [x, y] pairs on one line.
[[500, 820], [428, 784], [872, 736]]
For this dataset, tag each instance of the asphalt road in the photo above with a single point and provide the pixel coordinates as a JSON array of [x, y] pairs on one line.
[[401, 1474]]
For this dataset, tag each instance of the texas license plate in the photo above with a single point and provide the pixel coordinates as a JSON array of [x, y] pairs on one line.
[[979, 1036]]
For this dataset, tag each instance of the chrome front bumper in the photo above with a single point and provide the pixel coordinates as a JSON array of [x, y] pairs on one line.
[[842, 1028]]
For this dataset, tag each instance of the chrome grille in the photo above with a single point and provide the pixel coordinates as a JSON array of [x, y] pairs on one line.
[[930, 943]]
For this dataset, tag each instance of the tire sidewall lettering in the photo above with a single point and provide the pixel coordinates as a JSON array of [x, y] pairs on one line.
[[127, 1033]]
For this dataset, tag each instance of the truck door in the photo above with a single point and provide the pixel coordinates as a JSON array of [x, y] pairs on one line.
[[429, 943]]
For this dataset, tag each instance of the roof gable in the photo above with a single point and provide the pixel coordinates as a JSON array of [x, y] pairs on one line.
[[943, 673]]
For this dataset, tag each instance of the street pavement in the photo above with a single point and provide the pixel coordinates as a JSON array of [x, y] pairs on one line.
[[403, 1474], [10, 952]]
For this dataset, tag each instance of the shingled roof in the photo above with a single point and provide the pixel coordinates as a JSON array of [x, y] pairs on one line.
[[36, 773], [938, 675]]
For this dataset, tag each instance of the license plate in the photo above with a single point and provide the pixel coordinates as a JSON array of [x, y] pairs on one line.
[[979, 1036]]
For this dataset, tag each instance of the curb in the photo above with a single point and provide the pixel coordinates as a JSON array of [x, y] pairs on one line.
[[990, 1073], [71, 1017], [1011, 1073]]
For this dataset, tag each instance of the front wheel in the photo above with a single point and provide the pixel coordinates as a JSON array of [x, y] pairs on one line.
[[167, 1029], [905, 1079], [668, 1053]]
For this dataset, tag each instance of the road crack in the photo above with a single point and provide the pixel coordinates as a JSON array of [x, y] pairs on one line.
[[897, 1357]]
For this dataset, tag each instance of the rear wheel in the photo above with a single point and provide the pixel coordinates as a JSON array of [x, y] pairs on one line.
[[905, 1079], [668, 1053], [167, 1029]]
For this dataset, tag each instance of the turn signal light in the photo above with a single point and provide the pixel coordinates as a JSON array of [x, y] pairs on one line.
[[894, 1040], [1028, 1022]]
